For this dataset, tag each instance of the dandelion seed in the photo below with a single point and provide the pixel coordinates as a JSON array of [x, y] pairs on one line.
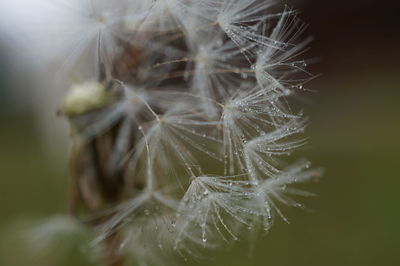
[[275, 189], [210, 210], [275, 65]]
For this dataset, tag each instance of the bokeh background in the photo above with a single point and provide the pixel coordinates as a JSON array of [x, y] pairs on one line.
[[355, 130]]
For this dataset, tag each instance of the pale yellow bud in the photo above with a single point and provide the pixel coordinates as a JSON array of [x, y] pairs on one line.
[[85, 97]]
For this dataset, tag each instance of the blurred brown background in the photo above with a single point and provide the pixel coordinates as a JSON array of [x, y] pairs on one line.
[[354, 136]]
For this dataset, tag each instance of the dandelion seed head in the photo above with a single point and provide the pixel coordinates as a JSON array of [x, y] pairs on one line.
[[183, 123]]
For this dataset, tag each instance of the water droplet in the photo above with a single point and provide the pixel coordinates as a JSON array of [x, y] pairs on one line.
[[286, 92], [204, 240]]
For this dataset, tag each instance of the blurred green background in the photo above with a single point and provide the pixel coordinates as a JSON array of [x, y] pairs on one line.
[[355, 128]]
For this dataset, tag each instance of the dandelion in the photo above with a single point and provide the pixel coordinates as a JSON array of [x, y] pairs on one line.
[[180, 122]]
